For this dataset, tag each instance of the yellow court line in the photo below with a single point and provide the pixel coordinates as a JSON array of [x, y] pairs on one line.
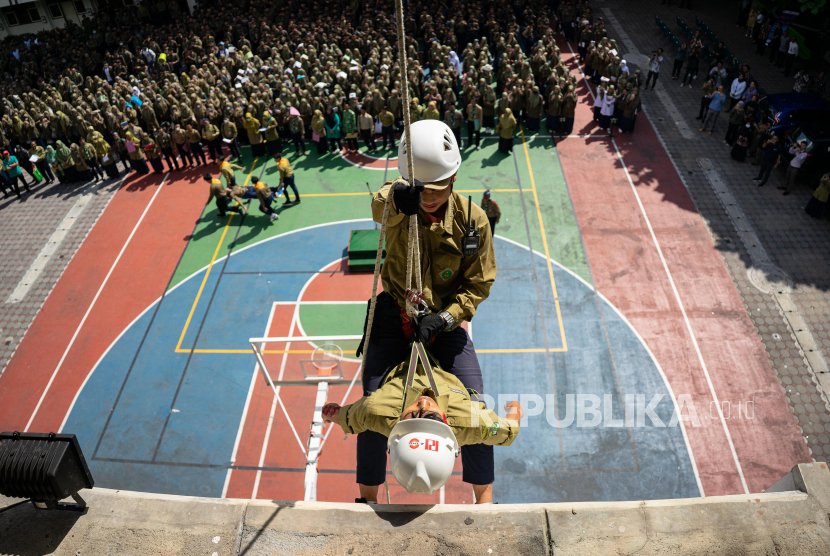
[[545, 243], [207, 274], [358, 194]]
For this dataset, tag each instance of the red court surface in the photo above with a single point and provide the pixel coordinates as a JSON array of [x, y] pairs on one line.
[[628, 269], [139, 278]]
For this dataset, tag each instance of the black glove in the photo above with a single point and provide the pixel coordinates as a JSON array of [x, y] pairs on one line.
[[408, 199], [428, 327]]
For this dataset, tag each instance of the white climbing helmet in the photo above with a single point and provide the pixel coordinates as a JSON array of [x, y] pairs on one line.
[[435, 153], [422, 454]]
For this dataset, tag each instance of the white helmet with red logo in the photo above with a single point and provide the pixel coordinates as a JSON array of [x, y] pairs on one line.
[[422, 454]]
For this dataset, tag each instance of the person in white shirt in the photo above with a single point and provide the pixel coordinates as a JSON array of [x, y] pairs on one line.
[[736, 93], [799, 153], [607, 109], [654, 68], [792, 54]]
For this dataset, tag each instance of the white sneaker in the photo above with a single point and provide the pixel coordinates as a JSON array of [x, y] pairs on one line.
[[478, 148], [619, 129], [274, 216]]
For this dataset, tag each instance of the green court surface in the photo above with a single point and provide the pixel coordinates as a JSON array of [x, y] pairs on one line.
[[529, 187]]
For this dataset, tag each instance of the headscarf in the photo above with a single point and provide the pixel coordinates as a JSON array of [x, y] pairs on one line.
[[330, 121], [455, 62], [63, 153]]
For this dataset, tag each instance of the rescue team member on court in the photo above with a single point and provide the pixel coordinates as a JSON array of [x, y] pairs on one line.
[[265, 195], [226, 169], [221, 194], [492, 210], [287, 180], [453, 286]]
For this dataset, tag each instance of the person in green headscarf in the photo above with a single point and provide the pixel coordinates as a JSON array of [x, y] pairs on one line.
[[51, 159], [65, 164]]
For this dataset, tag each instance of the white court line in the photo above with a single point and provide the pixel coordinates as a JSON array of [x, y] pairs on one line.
[[274, 410], [319, 302], [245, 409], [39, 264], [686, 320], [91, 305]]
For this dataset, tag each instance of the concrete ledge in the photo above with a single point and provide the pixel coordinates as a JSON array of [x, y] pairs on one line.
[[792, 522]]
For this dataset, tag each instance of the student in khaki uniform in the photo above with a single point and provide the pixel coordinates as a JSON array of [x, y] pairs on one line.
[[287, 180], [221, 194], [265, 196], [211, 137], [492, 210], [229, 132], [453, 284], [41, 163], [195, 140], [226, 169], [387, 123], [474, 115]]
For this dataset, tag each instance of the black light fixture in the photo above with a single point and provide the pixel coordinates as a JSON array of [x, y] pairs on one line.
[[45, 468]]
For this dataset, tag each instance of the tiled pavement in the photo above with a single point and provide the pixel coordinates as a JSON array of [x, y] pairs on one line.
[[794, 242], [26, 225]]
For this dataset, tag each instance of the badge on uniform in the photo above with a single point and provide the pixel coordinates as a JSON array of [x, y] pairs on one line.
[[447, 274], [493, 430]]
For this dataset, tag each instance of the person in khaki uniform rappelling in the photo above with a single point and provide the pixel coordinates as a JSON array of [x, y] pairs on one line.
[[455, 281]]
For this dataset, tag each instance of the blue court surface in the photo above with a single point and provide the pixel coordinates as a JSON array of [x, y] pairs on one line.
[[529, 347]]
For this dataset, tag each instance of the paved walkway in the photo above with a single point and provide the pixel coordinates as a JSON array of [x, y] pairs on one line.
[[40, 234], [757, 230]]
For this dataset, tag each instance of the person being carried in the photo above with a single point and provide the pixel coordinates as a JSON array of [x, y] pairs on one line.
[[455, 281], [221, 194], [419, 414]]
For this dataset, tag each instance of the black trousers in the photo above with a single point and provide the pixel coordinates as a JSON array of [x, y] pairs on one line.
[[388, 132], [471, 131], [45, 170], [214, 147], [223, 204], [198, 153], [652, 74], [492, 225], [690, 75], [368, 139], [704, 105], [678, 65], [299, 142], [234, 146], [172, 163], [766, 170], [455, 353]]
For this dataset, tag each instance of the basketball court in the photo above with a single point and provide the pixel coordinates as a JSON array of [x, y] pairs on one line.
[[609, 287]]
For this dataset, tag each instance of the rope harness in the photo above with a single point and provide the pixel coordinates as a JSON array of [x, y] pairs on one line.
[[414, 292]]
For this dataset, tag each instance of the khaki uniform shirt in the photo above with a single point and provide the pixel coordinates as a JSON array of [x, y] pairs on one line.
[[471, 423], [491, 208], [451, 282], [285, 169], [217, 190], [387, 119], [226, 169], [229, 130]]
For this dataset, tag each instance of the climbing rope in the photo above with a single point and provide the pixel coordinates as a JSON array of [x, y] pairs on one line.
[[413, 258]]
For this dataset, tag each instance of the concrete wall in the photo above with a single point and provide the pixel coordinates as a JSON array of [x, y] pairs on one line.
[[793, 522], [69, 14]]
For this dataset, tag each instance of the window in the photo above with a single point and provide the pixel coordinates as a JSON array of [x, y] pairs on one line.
[[21, 15], [79, 6], [55, 11]]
